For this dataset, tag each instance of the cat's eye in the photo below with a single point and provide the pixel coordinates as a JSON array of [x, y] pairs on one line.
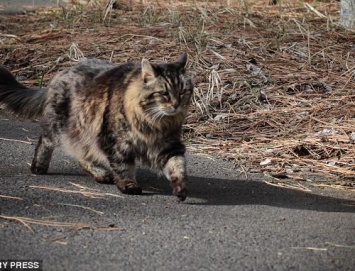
[[157, 94]]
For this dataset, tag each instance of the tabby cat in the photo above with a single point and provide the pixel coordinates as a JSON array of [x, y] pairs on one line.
[[109, 117]]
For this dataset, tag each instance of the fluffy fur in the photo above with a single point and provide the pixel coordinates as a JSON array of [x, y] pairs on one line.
[[109, 117]]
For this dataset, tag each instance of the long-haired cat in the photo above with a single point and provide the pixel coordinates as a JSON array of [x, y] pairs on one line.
[[109, 117]]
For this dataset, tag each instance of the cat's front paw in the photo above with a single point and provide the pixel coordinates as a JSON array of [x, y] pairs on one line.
[[130, 188], [133, 189], [105, 179], [180, 192]]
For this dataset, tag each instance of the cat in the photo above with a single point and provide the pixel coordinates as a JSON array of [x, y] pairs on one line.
[[109, 117]]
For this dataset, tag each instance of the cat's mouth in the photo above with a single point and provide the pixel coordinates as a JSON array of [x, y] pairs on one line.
[[157, 113], [171, 112]]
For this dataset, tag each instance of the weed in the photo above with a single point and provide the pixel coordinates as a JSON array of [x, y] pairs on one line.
[[72, 15], [149, 16]]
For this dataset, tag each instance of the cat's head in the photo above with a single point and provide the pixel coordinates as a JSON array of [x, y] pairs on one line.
[[167, 89]]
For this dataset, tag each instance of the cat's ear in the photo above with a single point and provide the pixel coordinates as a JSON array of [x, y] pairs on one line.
[[182, 60], [148, 74]]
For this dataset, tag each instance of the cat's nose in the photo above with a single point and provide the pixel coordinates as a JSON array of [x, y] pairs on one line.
[[175, 103]]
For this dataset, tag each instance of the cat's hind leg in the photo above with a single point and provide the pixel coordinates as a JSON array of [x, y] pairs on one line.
[[43, 154]]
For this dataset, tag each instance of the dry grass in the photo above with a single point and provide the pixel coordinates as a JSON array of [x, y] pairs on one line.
[[26, 221], [79, 190], [275, 84], [84, 191]]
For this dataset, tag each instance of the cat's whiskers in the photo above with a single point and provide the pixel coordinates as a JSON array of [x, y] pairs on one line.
[[158, 116], [154, 114]]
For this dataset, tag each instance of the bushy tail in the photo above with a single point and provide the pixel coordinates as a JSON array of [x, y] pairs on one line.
[[22, 101]]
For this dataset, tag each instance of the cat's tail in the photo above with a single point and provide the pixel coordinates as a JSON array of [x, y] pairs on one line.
[[18, 99]]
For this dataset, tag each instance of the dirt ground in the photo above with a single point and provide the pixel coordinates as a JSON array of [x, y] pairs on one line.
[[274, 84]]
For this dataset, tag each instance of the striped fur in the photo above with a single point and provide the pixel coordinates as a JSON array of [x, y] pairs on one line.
[[109, 117]]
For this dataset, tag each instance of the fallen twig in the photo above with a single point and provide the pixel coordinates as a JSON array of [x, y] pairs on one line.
[[76, 226]]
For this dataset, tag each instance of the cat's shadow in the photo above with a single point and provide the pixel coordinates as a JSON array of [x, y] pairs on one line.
[[205, 191], [202, 190], [213, 191]]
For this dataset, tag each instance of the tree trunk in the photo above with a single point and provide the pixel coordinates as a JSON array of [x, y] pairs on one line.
[[347, 13]]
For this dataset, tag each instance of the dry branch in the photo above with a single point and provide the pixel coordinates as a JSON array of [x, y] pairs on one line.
[[51, 223]]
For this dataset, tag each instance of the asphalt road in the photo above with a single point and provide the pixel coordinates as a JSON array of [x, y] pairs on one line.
[[32, 3], [229, 222], [16, 7]]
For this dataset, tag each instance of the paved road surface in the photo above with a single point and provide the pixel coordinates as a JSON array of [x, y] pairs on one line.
[[227, 223], [33, 3], [15, 7]]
